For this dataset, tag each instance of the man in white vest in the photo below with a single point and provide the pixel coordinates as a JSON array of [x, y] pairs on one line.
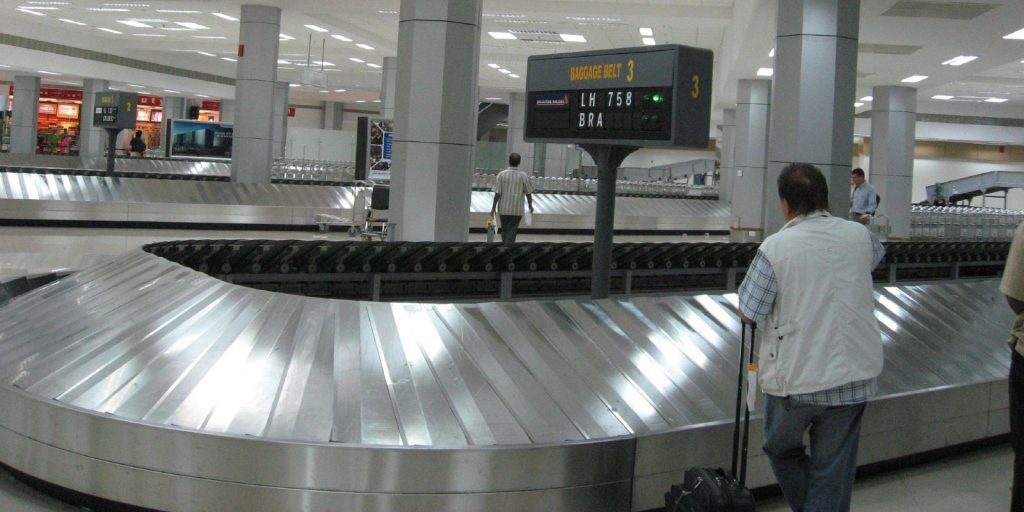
[[809, 288]]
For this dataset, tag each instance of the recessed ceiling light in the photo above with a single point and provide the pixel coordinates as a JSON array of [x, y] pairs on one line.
[[229, 59], [1016, 35], [133, 23], [286, 63], [857, 104], [137, 86], [150, 20], [493, 66], [323, 63], [224, 16], [504, 71], [176, 29], [493, 99], [765, 71], [325, 91], [573, 38], [647, 32], [353, 59], [341, 38], [105, 9], [285, 37], [341, 90], [73, 22], [649, 41], [942, 97], [996, 100], [502, 35], [316, 28], [364, 46], [771, 53], [913, 79], [202, 95], [172, 91], [37, 8], [176, 11], [360, 101], [150, 35], [126, 5], [4, 66], [372, 65], [294, 85], [208, 54], [387, 12], [112, 31], [38, 2], [210, 37], [868, 98], [48, 72], [588, 18], [27, 11], [193, 26], [513, 75], [959, 61]]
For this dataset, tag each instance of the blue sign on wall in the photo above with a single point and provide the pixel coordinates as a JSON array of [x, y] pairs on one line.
[[387, 145]]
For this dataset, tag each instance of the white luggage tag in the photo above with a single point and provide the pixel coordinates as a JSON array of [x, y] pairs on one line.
[[751, 386], [527, 217]]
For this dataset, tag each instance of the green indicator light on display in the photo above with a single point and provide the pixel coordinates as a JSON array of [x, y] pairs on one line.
[[658, 98]]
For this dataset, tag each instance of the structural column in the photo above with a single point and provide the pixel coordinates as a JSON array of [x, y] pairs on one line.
[[727, 145], [893, 118], [92, 140], [254, 93], [812, 103], [280, 128], [334, 115], [387, 87], [517, 129], [227, 111], [174, 107], [750, 155], [435, 118], [25, 125]]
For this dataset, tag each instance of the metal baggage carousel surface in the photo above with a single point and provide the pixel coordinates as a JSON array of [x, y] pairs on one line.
[[145, 382]]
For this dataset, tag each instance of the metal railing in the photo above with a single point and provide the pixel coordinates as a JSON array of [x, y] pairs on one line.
[[589, 186], [312, 170], [957, 223]]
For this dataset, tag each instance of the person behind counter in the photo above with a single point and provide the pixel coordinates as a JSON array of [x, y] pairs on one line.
[[137, 145], [864, 200]]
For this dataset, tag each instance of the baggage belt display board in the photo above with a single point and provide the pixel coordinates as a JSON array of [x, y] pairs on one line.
[[646, 96], [115, 110]]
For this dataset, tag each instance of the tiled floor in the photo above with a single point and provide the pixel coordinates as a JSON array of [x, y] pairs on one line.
[[977, 482]]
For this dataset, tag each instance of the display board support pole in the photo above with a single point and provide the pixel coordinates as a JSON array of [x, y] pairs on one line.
[[608, 160], [111, 148]]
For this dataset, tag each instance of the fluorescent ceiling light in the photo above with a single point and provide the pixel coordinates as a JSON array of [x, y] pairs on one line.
[[771, 53], [193, 26], [959, 61], [208, 54], [286, 63], [323, 63], [133, 23], [285, 37], [502, 35], [104, 9], [857, 104], [942, 97], [316, 28], [112, 31], [360, 101], [1016, 35], [172, 91], [37, 2], [202, 95], [176, 29], [647, 32], [513, 75], [27, 11], [73, 22], [493, 99], [36, 8], [765, 71], [353, 59], [294, 85], [868, 98], [229, 59], [372, 65], [493, 66], [176, 11], [504, 71], [210, 37], [150, 20], [364, 46], [996, 100], [572, 38], [126, 5], [649, 41], [150, 35], [341, 38], [913, 79], [4, 66], [137, 86], [376, 101], [325, 91], [48, 72], [224, 16], [341, 90]]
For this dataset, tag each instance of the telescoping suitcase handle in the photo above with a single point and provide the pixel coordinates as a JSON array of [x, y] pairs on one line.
[[739, 457]]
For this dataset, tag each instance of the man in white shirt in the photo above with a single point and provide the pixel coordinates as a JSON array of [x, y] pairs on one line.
[[864, 201], [510, 187]]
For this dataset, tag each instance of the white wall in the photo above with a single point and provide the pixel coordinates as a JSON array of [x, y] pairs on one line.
[[316, 144], [928, 171], [306, 117]]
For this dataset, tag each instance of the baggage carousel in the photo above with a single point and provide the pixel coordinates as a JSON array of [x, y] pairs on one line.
[[145, 382]]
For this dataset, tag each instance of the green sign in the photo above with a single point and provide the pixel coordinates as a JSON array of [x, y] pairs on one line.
[[647, 96]]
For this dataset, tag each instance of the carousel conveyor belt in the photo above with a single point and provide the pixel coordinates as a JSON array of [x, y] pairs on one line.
[[145, 382]]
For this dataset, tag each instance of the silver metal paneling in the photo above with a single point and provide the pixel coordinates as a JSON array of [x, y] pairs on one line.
[[144, 368]]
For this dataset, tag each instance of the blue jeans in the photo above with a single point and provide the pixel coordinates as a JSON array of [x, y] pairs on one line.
[[821, 481]]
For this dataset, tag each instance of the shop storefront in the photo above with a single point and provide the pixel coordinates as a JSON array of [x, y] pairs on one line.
[[149, 120]]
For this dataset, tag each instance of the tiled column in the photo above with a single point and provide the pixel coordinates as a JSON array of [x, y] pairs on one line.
[[813, 94], [750, 155], [516, 130], [727, 145], [25, 124], [893, 118], [387, 87], [91, 140], [254, 93], [334, 115], [280, 128], [435, 118], [227, 111]]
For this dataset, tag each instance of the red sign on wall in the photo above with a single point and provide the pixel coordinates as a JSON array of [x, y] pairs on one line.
[[291, 111], [150, 101], [211, 105]]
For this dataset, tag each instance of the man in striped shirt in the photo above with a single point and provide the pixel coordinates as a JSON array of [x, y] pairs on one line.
[[509, 189]]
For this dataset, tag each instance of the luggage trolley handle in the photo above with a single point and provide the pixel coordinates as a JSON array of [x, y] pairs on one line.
[[739, 455]]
